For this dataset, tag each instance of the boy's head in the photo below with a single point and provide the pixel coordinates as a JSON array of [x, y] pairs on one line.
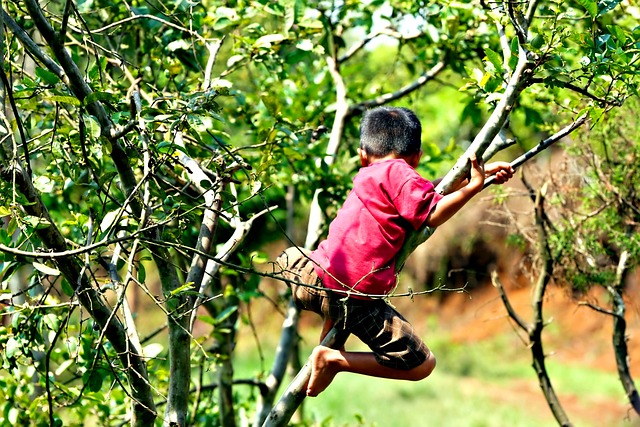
[[390, 130]]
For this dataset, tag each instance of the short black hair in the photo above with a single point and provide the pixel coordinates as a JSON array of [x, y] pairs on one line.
[[384, 130]]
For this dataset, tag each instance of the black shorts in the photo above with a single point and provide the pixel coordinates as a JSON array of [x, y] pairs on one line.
[[388, 334]]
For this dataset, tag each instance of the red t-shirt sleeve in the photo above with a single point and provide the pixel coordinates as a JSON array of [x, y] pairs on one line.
[[415, 200]]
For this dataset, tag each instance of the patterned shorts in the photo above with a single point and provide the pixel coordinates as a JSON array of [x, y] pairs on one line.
[[390, 336]]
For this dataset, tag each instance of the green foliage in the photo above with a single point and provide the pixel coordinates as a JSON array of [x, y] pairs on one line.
[[600, 214], [244, 90]]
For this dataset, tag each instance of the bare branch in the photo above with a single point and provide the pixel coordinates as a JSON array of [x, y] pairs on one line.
[[296, 392], [403, 91], [387, 31], [288, 337], [531, 10], [507, 304], [316, 216], [598, 308], [31, 47], [16, 113], [517, 22], [544, 145], [582, 91]]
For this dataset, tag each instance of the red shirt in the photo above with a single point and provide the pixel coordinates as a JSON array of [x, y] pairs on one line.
[[388, 198]]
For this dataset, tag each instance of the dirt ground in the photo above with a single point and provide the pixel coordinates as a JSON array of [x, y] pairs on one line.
[[577, 335]]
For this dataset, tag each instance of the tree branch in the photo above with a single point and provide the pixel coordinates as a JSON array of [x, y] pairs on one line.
[[288, 338], [507, 303], [135, 366], [544, 145], [424, 78], [316, 217], [479, 145], [387, 31], [296, 392], [581, 91]]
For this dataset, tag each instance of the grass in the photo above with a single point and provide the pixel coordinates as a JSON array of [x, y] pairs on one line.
[[484, 384]]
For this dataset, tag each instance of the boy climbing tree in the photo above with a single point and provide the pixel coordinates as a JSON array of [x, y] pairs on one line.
[[346, 279]]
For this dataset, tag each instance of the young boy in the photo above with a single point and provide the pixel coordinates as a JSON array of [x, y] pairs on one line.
[[355, 266]]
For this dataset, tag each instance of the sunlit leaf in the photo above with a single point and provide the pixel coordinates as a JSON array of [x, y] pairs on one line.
[[268, 40], [591, 6], [495, 59], [45, 269]]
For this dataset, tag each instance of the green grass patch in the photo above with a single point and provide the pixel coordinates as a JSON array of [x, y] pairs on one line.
[[483, 384]]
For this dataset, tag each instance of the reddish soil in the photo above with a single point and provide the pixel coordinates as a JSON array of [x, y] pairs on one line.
[[576, 333]]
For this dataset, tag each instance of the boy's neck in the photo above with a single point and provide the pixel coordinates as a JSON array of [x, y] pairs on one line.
[[368, 159]]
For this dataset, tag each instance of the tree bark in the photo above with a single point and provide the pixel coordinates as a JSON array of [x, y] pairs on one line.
[[288, 338], [619, 335], [144, 411], [296, 392]]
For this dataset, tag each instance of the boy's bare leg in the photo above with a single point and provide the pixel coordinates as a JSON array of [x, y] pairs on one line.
[[326, 327], [327, 362]]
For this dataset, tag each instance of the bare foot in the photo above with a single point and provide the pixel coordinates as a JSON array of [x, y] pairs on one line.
[[322, 370]]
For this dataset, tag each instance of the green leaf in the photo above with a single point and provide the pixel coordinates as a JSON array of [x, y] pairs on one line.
[[98, 96], [590, 6], [207, 319], [537, 42], [142, 273], [495, 59], [92, 126], [606, 6], [35, 222], [4, 211], [44, 269], [64, 99], [183, 288], [268, 40], [224, 314], [52, 321], [66, 288], [259, 257], [43, 184], [11, 348], [47, 76], [93, 380]]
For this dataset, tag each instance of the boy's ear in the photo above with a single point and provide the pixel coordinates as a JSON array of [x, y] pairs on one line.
[[414, 160], [364, 159]]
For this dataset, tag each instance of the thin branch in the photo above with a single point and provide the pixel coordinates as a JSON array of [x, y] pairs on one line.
[[316, 216], [213, 48], [65, 18], [507, 304], [516, 21], [30, 46], [241, 229], [598, 308], [582, 91], [543, 145], [424, 78], [531, 10], [296, 392], [16, 113], [387, 31]]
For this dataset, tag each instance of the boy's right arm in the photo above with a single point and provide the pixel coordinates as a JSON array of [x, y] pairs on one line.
[[453, 202]]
